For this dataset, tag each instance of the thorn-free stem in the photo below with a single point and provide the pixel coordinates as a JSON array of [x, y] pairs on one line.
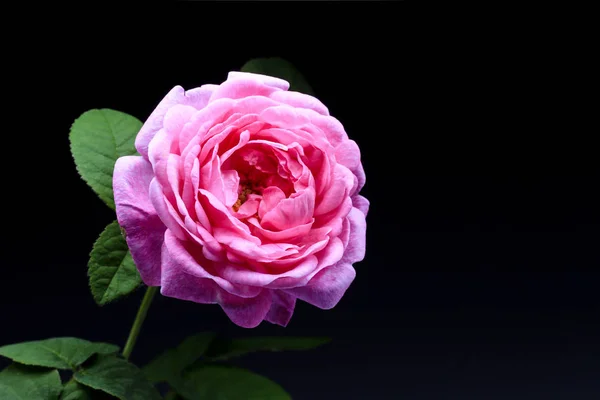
[[139, 320]]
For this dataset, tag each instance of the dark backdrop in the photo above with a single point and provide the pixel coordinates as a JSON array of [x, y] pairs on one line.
[[481, 274]]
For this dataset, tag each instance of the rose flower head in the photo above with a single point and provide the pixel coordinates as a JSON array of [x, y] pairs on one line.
[[245, 195]]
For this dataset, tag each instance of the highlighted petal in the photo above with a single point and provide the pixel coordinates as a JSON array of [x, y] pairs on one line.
[[326, 289]]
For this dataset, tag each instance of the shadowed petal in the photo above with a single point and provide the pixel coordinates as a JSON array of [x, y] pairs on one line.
[[355, 251], [137, 216], [282, 308], [361, 203], [326, 289]]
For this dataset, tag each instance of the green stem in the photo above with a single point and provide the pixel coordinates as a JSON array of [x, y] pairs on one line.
[[139, 320]]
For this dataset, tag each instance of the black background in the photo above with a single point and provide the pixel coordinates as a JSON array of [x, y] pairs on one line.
[[481, 275]]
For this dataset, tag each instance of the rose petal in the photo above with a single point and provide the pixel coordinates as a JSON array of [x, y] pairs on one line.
[[263, 79], [137, 216], [333, 219], [360, 175], [197, 98], [191, 176], [241, 275], [361, 203], [291, 212], [244, 138], [231, 182], [355, 251], [285, 117], [282, 308], [249, 208], [220, 132], [247, 313], [222, 218], [271, 197], [330, 126], [203, 121], [348, 154], [297, 99], [177, 259], [251, 250], [174, 122], [280, 236], [327, 288]]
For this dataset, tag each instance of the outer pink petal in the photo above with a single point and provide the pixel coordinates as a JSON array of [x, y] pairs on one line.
[[360, 175], [285, 117], [326, 289], [245, 312], [297, 99], [348, 154], [271, 196], [296, 276], [176, 259], [290, 234], [197, 98], [361, 203], [328, 286], [331, 127], [333, 220], [240, 88], [137, 216], [282, 308], [263, 79], [336, 193], [355, 251], [165, 210]]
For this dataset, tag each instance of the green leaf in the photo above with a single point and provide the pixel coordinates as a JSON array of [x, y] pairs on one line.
[[227, 383], [76, 391], [173, 361], [223, 349], [20, 382], [98, 138], [118, 378], [61, 353], [279, 68], [111, 269]]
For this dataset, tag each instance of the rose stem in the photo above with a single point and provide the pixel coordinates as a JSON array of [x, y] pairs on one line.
[[139, 320]]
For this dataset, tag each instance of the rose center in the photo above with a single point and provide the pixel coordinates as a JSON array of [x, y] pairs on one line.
[[244, 190]]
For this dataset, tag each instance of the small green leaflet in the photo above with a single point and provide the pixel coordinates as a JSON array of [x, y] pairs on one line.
[[222, 349], [98, 138], [279, 68], [111, 269], [20, 382], [117, 377], [61, 353], [227, 383], [173, 361], [76, 391]]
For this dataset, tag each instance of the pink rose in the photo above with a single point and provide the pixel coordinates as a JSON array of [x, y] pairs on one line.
[[245, 195]]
